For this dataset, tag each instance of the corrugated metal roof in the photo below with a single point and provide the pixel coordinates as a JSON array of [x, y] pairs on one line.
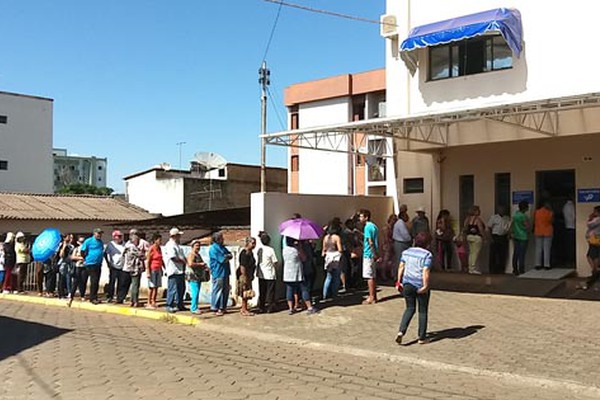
[[23, 206]]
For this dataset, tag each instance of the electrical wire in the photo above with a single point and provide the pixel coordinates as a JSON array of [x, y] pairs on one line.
[[283, 128], [330, 13], [272, 31]]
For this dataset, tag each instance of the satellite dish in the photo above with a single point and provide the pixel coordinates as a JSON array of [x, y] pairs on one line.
[[209, 161]]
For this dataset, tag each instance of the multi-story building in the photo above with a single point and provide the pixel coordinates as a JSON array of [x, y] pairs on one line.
[[484, 105], [70, 169], [166, 191], [25, 143]]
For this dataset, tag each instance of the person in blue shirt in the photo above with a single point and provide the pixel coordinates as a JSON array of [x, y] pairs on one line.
[[92, 251], [370, 253], [220, 270], [413, 274]]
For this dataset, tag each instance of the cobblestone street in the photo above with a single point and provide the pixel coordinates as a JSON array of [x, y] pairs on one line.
[[486, 347]]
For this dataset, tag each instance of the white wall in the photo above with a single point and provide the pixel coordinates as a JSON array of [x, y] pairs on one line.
[[164, 196], [323, 172], [26, 143], [552, 64]]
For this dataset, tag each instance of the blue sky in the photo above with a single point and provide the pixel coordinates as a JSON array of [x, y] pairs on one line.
[[131, 78]]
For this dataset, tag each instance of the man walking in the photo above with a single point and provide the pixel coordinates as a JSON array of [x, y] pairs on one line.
[[175, 263], [370, 254], [114, 260], [499, 225], [92, 251]]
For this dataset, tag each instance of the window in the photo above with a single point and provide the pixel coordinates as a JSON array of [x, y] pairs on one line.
[[3, 119], [502, 191], [414, 185], [222, 173], [472, 56], [3, 165], [294, 118], [466, 195], [295, 161]]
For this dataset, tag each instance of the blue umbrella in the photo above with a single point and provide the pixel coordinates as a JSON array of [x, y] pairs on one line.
[[46, 244]]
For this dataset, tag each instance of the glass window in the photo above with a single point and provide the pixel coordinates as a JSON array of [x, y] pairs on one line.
[[3, 165], [414, 185], [439, 68], [502, 53], [466, 195], [502, 191]]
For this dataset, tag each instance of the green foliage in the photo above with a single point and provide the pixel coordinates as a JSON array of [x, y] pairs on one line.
[[82, 188]]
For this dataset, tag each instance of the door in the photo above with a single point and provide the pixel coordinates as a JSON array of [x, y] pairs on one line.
[[556, 188]]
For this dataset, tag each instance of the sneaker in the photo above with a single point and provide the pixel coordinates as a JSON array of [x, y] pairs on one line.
[[424, 341], [291, 312], [312, 310], [171, 310], [399, 338]]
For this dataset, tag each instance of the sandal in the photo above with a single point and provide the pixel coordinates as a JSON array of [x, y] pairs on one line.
[[219, 313], [367, 301], [247, 314]]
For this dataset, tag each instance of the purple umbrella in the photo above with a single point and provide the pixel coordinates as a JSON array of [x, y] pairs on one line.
[[301, 229]]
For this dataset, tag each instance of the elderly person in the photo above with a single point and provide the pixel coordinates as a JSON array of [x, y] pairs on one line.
[[154, 269], [196, 273], [420, 223], [220, 270], [245, 275], [10, 259], [114, 260], [175, 263], [413, 273], [293, 276], [133, 267], [267, 263]]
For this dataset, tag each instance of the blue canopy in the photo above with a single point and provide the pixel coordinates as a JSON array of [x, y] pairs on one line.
[[506, 21]]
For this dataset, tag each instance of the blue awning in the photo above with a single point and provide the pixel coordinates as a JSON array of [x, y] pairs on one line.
[[506, 21]]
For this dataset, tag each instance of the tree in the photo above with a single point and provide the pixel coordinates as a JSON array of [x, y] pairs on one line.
[[82, 188]]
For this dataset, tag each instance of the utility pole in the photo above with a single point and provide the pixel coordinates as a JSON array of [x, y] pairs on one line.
[[264, 79], [180, 144]]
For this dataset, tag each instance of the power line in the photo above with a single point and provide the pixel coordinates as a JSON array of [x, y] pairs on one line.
[[330, 13], [275, 108], [272, 31]]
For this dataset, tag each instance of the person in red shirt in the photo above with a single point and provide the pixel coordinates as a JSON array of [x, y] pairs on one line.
[[156, 264]]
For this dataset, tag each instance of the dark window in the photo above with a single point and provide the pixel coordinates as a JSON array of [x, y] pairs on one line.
[[466, 195], [502, 191], [414, 185], [3, 119], [358, 108], [222, 173], [3, 165], [294, 118], [295, 163], [472, 56]]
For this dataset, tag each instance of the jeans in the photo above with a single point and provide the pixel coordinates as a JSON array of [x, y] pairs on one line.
[[113, 282], [123, 283], [518, 260], [412, 298], [399, 248], [332, 283], [296, 287], [175, 291], [79, 283], [50, 281], [135, 288], [220, 293], [266, 293], [2, 279], [194, 294], [93, 273], [444, 248], [65, 285], [543, 244], [498, 254]]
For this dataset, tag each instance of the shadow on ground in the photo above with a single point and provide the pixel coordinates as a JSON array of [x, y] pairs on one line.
[[451, 333], [18, 335]]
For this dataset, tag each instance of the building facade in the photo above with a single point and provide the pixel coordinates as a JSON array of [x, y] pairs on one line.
[[71, 169], [485, 105], [26, 143], [173, 192]]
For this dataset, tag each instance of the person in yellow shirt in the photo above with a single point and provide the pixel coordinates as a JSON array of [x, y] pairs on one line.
[[23, 259]]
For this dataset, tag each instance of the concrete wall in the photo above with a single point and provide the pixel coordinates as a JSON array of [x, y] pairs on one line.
[[26, 144], [161, 196], [548, 67]]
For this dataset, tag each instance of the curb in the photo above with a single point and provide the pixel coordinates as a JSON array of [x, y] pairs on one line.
[[105, 308]]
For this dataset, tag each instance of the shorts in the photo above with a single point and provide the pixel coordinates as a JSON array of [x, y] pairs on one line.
[[593, 252], [155, 280], [368, 268]]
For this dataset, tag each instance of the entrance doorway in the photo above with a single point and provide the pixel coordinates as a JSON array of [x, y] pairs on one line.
[[557, 187]]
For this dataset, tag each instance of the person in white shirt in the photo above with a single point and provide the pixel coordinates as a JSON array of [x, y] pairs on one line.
[[569, 217], [499, 226], [175, 263], [113, 254], [266, 272]]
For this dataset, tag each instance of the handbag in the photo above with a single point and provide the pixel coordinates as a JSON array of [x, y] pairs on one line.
[[248, 294], [593, 239]]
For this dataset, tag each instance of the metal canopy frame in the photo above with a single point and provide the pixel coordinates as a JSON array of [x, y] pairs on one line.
[[542, 117]]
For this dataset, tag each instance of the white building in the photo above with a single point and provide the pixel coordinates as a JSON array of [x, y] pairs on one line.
[[26, 143], [70, 169], [485, 105]]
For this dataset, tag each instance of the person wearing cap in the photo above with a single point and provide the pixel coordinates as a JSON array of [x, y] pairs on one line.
[[175, 263], [420, 223], [92, 251], [10, 259], [23, 251], [114, 259]]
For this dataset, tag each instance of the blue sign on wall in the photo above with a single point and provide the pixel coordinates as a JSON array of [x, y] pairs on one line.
[[520, 195], [588, 195]]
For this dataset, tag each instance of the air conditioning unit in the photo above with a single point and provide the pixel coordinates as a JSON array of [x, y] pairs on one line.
[[388, 27]]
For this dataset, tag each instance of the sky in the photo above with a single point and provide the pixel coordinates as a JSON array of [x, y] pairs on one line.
[[132, 78]]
